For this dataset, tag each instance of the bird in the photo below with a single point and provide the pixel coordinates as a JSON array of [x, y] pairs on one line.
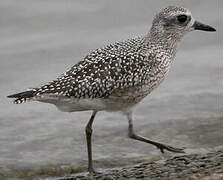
[[118, 76]]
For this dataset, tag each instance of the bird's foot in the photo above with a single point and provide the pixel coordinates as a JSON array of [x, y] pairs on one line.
[[163, 147], [92, 171]]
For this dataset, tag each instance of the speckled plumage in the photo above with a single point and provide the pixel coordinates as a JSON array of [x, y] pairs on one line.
[[118, 76], [123, 72], [113, 71]]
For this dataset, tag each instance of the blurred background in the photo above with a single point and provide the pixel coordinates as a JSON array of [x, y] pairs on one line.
[[41, 39]]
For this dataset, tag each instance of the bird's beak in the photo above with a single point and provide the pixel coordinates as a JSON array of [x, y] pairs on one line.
[[200, 26]]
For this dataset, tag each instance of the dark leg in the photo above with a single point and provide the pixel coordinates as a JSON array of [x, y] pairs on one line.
[[89, 131], [160, 146]]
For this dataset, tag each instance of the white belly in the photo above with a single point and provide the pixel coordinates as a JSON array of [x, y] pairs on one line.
[[72, 105], [66, 104]]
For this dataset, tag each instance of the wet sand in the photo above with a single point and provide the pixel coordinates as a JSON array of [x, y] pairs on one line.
[[188, 167], [191, 128]]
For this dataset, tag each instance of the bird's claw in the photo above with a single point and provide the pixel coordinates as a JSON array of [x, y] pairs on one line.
[[92, 171], [161, 147]]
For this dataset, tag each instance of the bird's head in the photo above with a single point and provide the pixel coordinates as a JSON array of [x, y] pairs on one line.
[[173, 22]]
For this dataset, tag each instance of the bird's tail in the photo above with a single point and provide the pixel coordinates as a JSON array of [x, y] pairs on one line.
[[23, 96]]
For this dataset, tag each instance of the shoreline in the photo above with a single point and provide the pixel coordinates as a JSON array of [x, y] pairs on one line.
[[193, 166], [207, 166]]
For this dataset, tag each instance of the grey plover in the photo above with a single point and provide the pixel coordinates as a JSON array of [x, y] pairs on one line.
[[118, 76]]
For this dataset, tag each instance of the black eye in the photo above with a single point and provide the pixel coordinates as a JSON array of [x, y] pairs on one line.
[[182, 18]]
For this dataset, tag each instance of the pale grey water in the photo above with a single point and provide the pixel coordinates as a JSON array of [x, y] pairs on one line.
[[41, 39]]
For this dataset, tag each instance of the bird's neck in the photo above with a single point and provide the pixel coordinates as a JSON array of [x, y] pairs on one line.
[[167, 41]]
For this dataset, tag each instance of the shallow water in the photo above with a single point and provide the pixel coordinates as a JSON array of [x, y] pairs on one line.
[[41, 39]]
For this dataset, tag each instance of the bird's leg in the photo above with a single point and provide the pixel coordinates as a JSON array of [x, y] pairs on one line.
[[88, 131], [160, 146]]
